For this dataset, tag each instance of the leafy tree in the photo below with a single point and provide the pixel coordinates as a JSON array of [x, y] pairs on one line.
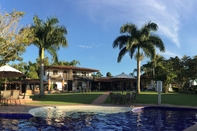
[[138, 42], [97, 75], [30, 69], [13, 40], [133, 73], [74, 62], [48, 36], [186, 71], [109, 74], [165, 72], [62, 63], [66, 63], [178, 68]]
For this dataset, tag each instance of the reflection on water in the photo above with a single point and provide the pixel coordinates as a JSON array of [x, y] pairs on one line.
[[144, 120], [9, 124]]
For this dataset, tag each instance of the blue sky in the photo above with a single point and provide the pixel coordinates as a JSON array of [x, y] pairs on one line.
[[94, 24]]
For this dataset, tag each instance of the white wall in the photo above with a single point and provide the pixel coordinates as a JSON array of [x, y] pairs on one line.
[[59, 85]]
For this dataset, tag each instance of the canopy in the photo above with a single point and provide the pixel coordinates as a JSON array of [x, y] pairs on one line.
[[9, 72]]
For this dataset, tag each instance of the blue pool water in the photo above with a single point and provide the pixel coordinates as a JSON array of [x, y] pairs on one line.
[[140, 119]]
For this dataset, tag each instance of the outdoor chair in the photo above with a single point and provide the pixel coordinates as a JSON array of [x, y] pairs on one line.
[[127, 97], [133, 97], [6, 96], [116, 97], [112, 97], [15, 97], [119, 98]]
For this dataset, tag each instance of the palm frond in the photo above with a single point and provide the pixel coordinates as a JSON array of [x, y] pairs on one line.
[[131, 42], [53, 53], [156, 41], [151, 26], [122, 52], [128, 28], [149, 50], [132, 51], [120, 41]]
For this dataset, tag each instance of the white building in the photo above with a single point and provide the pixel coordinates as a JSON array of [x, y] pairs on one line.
[[68, 78]]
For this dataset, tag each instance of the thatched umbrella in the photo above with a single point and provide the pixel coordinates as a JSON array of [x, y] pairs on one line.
[[7, 71]]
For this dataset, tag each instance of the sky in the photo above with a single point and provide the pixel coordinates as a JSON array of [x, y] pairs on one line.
[[93, 25]]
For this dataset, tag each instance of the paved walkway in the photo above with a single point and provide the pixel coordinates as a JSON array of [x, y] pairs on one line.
[[101, 99]]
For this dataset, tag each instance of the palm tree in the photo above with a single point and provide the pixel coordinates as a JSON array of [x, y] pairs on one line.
[[50, 37], [139, 42], [74, 62]]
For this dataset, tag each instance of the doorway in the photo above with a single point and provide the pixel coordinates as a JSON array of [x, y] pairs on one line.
[[70, 85]]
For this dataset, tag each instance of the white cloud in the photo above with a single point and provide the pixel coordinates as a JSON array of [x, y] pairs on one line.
[[84, 46], [168, 14]]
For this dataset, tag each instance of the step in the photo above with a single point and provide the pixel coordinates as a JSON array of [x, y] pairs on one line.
[[26, 100], [26, 97]]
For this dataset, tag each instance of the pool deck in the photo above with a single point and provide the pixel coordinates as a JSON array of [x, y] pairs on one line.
[[25, 107]]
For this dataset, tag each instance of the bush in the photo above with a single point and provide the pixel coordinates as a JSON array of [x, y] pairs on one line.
[[175, 89], [184, 91]]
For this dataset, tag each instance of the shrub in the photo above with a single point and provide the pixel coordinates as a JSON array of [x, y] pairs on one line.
[[175, 89]]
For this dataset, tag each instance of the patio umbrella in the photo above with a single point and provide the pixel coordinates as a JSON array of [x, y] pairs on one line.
[[7, 71]]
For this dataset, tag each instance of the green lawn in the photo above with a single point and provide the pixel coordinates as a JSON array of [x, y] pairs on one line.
[[143, 98], [67, 98], [166, 98]]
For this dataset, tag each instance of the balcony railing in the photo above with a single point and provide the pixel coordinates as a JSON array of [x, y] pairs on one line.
[[72, 77], [81, 77]]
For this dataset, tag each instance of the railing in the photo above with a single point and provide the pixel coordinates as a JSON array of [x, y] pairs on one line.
[[73, 77], [55, 76], [82, 77]]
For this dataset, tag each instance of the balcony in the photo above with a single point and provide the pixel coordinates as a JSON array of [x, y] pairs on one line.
[[55, 76], [81, 77]]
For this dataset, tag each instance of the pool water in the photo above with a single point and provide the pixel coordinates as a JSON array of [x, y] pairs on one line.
[[141, 119]]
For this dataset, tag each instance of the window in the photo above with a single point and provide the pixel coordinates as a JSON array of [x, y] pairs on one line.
[[55, 72], [83, 73]]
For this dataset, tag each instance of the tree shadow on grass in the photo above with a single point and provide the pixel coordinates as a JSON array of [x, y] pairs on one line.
[[83, 98]]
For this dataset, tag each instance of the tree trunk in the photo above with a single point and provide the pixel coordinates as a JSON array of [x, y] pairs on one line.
[[138, 76], [41, 79], [41, 72]]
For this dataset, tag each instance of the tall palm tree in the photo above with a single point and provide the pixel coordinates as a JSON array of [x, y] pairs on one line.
[[49, 36], [138, 42]]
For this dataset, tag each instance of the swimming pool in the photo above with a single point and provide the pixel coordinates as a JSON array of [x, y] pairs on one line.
[[92, 118]]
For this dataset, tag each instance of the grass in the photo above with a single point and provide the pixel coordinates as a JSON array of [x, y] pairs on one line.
[[178, 99], [168, 98], [67, 98], [142, 98]]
